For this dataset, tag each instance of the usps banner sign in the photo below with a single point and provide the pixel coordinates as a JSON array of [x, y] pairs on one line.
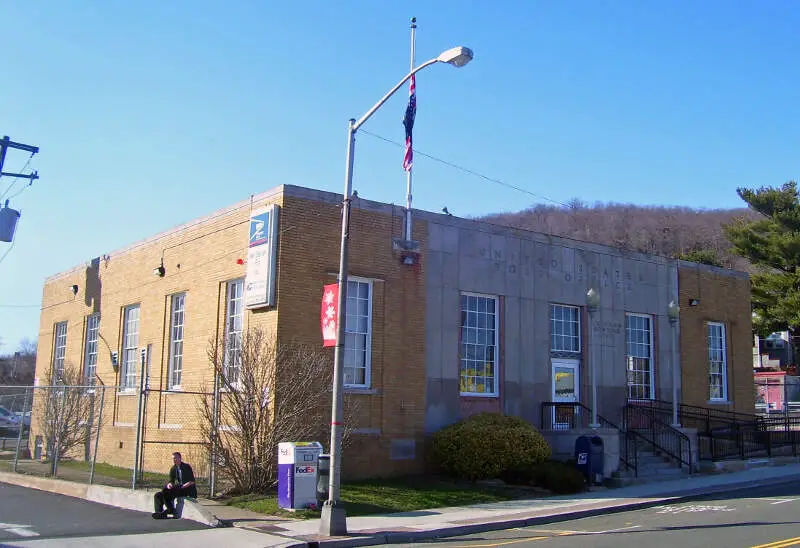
[[259, 283]]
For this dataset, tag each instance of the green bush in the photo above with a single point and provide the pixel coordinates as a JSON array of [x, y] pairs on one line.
[[559, 477], [486, 445]]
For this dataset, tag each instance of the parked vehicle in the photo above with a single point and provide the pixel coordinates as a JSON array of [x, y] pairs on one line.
[[8, 419], [24, 417], [9, 423]]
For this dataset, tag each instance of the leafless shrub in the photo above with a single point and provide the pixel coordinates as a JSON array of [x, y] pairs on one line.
[[65, 411], [268, 393]]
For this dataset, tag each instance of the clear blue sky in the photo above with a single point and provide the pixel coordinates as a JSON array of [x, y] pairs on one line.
[[150, 113]]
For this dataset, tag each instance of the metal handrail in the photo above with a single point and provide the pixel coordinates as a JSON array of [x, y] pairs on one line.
[[695, 414], [658, 429], [602, 421]]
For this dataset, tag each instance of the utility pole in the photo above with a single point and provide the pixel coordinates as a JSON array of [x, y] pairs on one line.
[[5, 144]]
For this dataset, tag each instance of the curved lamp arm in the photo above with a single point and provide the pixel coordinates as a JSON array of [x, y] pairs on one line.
[[457, 56], [392, 91]]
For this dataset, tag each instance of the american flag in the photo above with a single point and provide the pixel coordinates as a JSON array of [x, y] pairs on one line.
[[408, 122]]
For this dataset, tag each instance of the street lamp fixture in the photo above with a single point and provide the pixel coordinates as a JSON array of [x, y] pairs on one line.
[[673, 313], [592, 299], [457, 56], [334, 521], [593, 304]]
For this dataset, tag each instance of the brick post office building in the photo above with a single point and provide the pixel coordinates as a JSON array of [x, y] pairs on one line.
[[483, 317]]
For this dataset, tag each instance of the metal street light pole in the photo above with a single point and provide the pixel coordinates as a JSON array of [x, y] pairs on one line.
[[673, 312], [334, 520], [592, 304]]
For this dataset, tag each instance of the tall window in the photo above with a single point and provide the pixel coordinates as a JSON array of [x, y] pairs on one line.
[[565, 332], [358, 333], [60, 350], [717, 362], [234, 325], [478, 373], [130, 345], [176, 340], [90, 356], [639, 339]]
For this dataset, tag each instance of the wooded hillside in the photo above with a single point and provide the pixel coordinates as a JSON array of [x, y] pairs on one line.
[[668, 231]]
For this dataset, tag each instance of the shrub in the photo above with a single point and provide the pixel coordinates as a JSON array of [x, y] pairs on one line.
[[486, 445], [559, 477]]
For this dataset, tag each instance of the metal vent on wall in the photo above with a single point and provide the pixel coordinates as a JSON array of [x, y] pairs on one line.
[[403, 449]]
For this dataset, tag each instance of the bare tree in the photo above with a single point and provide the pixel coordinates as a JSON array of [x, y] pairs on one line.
[[65, 412], [267, 393], [18, 368]]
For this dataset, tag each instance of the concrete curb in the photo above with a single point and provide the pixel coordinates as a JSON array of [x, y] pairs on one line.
[[140, 501], [458, 530]]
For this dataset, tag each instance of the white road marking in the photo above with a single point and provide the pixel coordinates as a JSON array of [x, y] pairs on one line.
[[781, 501], [692, 508], [573, 532], [18, 529]]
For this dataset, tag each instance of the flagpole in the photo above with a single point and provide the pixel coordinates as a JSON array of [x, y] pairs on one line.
[[408, 173]]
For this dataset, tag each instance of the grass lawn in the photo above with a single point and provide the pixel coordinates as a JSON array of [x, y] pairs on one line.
[[397, 495], [115, 472]]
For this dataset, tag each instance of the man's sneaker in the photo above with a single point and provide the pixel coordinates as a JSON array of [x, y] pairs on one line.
[[159, 515]]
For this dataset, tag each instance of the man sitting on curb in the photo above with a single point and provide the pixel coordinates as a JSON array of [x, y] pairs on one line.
[[181, 484]]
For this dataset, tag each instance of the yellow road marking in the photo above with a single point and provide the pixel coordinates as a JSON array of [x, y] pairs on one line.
[[780, 543], [515, 541]]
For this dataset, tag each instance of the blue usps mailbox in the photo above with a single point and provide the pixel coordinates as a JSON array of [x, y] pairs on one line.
[[583, 456]]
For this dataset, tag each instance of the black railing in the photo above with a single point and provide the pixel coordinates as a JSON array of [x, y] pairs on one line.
[[573, 415], [770, 437], [644, 423], [704, 419]]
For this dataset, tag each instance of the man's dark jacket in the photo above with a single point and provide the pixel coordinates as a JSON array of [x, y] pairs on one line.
[[186, 475]]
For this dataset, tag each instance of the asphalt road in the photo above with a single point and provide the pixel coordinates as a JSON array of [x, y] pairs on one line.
[[27, 514], [763, 517]]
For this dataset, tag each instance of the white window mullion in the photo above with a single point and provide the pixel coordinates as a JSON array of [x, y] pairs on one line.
[[478, 352], [234, 328], [639, 356], [177, 316], [358, 333], [60, 350], [90, 356], [130, 344], [717, 362], [565, 332]]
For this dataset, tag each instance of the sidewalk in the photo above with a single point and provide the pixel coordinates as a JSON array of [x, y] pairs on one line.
[[441, 522]]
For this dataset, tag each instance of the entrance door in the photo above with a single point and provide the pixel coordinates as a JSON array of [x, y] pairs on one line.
[[565, 389]]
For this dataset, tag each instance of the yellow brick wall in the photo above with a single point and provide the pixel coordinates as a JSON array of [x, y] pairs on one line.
[[199, 259], [394, 407], [723, 298]]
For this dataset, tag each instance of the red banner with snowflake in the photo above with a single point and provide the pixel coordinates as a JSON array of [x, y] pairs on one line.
[[330, 299]]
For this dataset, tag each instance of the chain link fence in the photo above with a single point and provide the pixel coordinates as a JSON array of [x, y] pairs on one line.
[[103, 434]]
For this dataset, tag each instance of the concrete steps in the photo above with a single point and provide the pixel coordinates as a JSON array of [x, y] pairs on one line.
[[651, 467]]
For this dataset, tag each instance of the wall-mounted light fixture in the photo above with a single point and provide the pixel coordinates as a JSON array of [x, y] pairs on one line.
[[694, 302], [74, 289], [160, 270], [673, 311]]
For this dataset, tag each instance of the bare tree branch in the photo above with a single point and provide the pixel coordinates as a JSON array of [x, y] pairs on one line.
[[267, 393]]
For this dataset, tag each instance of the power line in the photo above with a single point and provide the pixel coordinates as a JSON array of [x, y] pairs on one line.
[[16, 178], [466, 170]]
